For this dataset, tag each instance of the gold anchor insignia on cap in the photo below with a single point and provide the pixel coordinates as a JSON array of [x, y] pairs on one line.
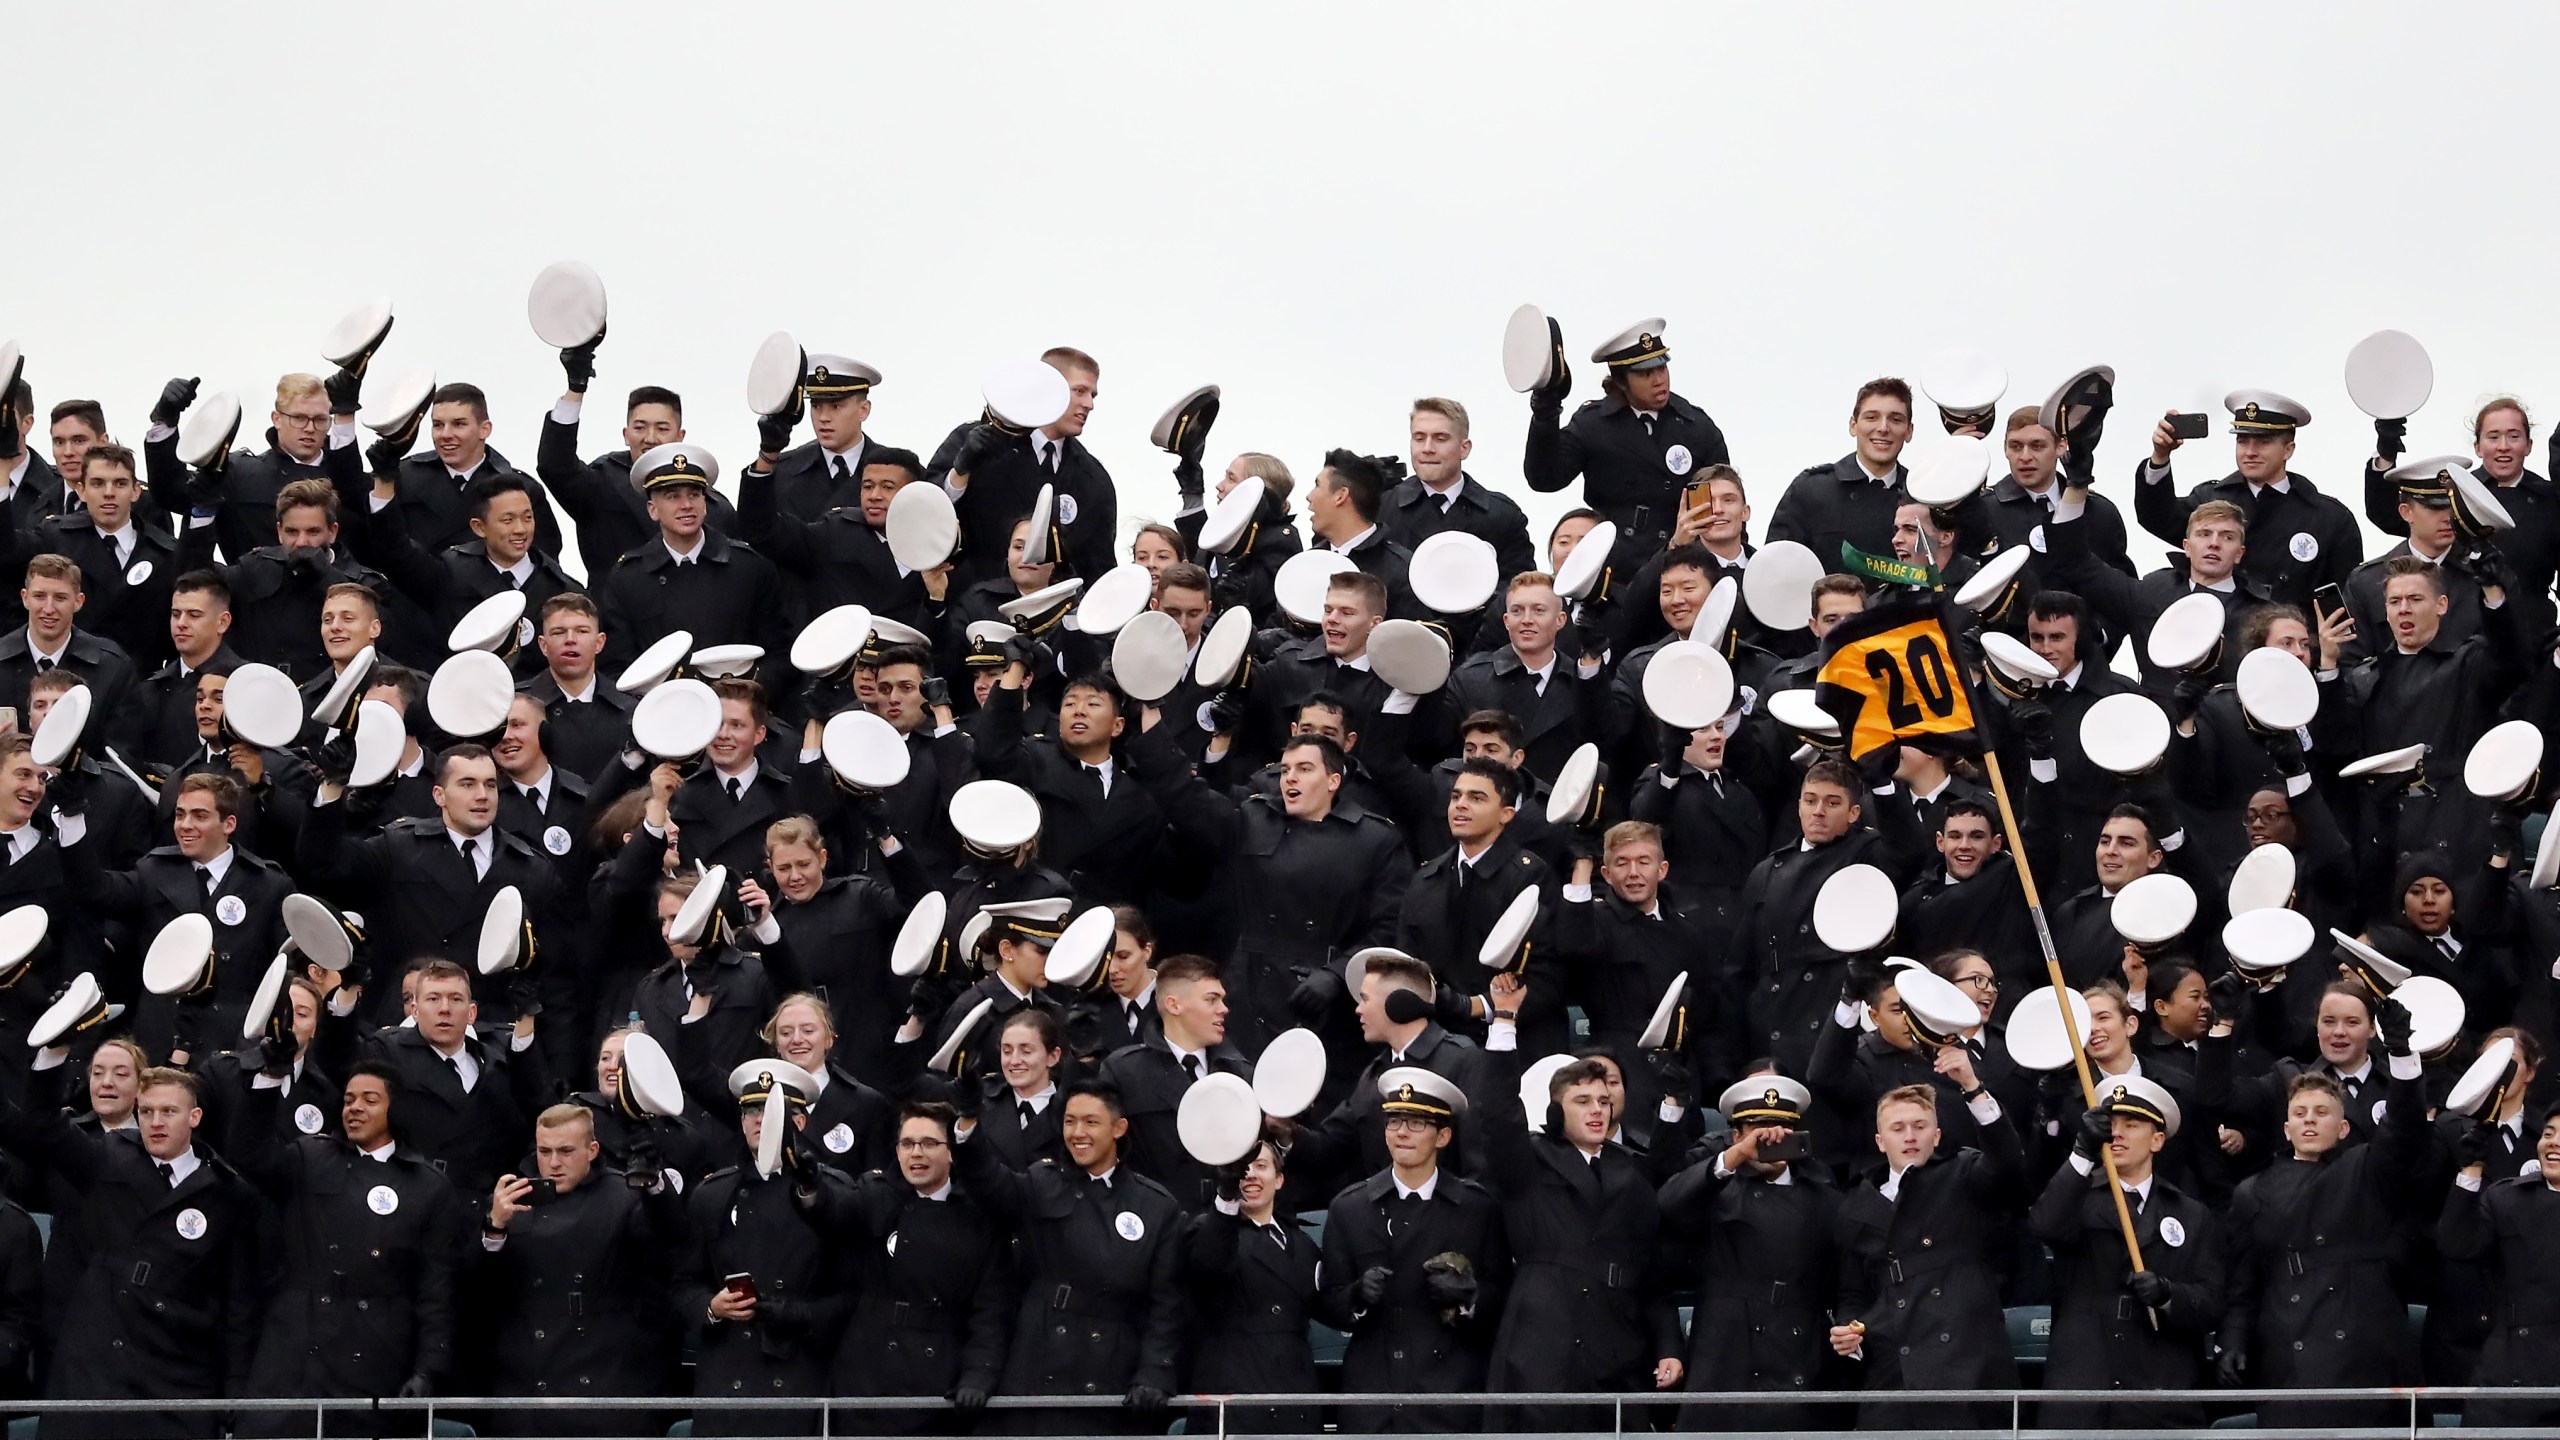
[[1644, 340], [2251, 412], [1405, 1091], [2118, 1096], [1769, 1096], [819, 375], [681, 464]]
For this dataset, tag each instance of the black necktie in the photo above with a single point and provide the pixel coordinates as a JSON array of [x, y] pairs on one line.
[[1192, 1064], [2133, 1201], [471, 856], [737, 792], [2444, 947], [1057, 456], [1023, 1111], [1279, 1236], [534, 794], [42, 664], [836, 466], [168, 1173], [1102, 1184], [514, 581], [205, 874], [1129, 1015]]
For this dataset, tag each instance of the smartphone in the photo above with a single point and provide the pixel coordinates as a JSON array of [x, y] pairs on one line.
[[1697, 494], [2329, 599], [741, 1284], [2190, 427], [1792, 1146], [545, 1191]]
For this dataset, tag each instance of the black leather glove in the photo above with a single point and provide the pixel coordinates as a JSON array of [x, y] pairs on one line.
[[982, 441], [1551, 396], [773, 432], [970, 1399], [273, 1054], [1670, 743], [2506, 830], [799, 1158], [2284, 751], [2477, 1145], [1230, 1179], [2097, 1127], [934, 990], [1226, 711], [1315, 993], [579, 363], [2395, 1020], [12, 432], [2147, 1287], [643, 1167], [968, 1096], [2033, 720], [1449, 1282], [383, 456], [1092, 1030], [1032, 653], [2229, 995], [1673, 1073], [524, 993], [1370, 1290], [345, 389], [2390, 441], [2187, 695], [937, 692], [2080, 466], [1190, 484], [2231, 1367], [416, 1388], [1144, 1400], [2488, 564], [69, 790], [333, 761], [175, 397]]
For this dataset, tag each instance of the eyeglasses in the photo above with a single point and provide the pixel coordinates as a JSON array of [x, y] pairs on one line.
[[1979, 982], [302, 422], [920, 1147]]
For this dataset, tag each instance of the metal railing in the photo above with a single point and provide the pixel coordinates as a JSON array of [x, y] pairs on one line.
[[1209, 1415]]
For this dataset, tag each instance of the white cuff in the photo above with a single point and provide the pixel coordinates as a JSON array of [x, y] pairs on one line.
[[1721, 1172], [518, 1044], [2137, 1003], [1577, 894], [2083, 1164], [565, 409], [2043, 771], [941, 730], [1399, 703], [69, 830], [1227, 1206], [1986, 1110], [2153, 474], [342, 434], [2066, 509], [809, 756], [375, 504], [2297, 785], [493, 1243], [51, 1057], [1667, 777], [1587, 669], [766, 930], [266, 1082], [342, 1003], [1845, 1014], [1502, 1035], [158, 433], [2467, 1180], [2407, 1067], [656, 831], [1670, 1114]]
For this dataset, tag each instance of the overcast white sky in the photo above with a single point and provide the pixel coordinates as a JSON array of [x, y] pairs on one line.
[[1327, 209]]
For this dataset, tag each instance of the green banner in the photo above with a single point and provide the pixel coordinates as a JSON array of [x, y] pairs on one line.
[[1885, 569]]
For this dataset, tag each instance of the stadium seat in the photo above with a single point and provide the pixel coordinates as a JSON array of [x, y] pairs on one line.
[[2236, 1422], [44, 1226], [1328, 1344], [454, 1429], [681, 1427]]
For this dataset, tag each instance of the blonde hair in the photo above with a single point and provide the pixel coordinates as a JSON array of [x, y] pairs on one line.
[[1455, 413], [817, 1006], [298, 386], [794, 830], [1269, 469]]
